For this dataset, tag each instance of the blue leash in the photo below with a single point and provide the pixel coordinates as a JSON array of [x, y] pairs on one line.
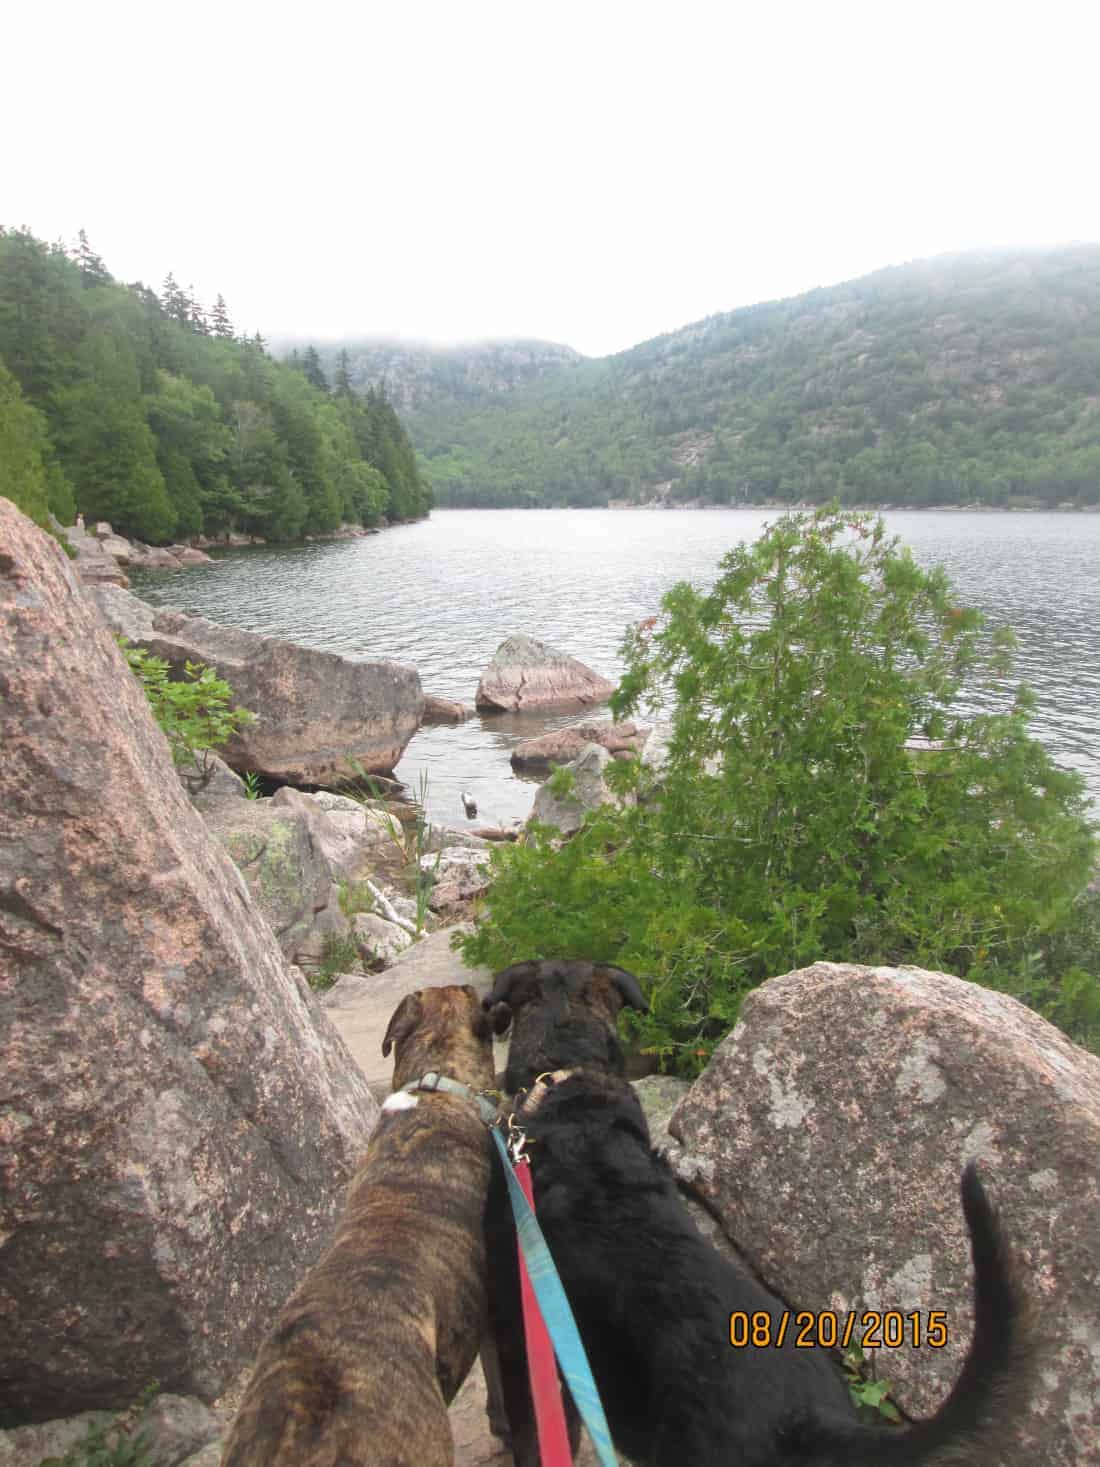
[[556, 1312]]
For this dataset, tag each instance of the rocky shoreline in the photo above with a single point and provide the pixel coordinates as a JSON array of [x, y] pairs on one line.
[[103, 557]]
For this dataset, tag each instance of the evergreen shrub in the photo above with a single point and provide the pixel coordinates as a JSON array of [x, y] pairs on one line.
[[828, 794]]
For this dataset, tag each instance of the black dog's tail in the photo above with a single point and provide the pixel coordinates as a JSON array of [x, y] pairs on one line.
[[997, 1367]]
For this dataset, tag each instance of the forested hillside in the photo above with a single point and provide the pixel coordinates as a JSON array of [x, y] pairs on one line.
[[961, 379], [151, 412]]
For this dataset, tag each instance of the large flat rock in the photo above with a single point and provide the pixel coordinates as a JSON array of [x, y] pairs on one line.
[[318, 715]]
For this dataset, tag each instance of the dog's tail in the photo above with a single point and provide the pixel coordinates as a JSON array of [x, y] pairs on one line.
[[968, 1425]]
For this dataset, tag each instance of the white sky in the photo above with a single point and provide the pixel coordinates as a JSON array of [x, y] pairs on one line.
[[587, 173]]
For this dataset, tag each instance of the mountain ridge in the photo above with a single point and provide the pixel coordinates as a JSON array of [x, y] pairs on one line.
[[968, 377]]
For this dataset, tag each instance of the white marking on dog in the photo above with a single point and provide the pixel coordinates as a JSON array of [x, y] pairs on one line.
[[401, 1100]]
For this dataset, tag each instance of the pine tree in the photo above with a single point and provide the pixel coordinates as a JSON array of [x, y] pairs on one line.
[[312, 370], [91, 266], [106, 444], [27, 473], [196, 315], [219, 319], [41, 314], [173, 301], [342, 380]]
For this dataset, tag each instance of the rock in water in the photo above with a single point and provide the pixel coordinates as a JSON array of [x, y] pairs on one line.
[[829, 1132], [525, 673], [178, 1118], [317, 715], [563, 744]]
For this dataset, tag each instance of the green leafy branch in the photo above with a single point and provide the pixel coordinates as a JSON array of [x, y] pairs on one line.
[[194, 712]]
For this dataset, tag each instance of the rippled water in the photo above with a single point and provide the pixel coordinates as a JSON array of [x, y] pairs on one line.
[[442, 594]]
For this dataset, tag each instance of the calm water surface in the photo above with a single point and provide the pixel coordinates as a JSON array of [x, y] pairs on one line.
[[441, 595]]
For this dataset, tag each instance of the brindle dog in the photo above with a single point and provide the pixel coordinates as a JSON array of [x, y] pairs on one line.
[[378, 1337]]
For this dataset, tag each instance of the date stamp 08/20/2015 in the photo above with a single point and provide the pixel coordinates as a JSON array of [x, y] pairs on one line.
[[829, 1329]]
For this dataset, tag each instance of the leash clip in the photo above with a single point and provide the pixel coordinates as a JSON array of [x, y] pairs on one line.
[[517, 1141]]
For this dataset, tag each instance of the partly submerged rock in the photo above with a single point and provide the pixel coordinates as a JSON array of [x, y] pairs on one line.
[[178, 1119], [319, 717], [830, 1130], [563, 744], [526, 673], [444, 710]]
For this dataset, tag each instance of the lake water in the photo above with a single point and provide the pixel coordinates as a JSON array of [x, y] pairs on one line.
[[442, 594]]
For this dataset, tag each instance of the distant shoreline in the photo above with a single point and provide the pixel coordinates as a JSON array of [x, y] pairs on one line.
[[784, 506]]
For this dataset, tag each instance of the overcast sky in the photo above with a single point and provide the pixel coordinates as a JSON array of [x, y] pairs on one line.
[[587, 173]]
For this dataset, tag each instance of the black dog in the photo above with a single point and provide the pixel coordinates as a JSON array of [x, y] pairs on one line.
[[653, 1298], [653, 1302], [562, 1013]]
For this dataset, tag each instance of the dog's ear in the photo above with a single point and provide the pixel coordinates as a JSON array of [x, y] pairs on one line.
[[406, 1016], [506, 984], [628, 986]]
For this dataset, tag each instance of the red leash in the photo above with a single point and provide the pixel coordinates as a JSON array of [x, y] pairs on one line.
[[545, 1387]]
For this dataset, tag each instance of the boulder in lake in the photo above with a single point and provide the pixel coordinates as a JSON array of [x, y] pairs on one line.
[[563, 744], [829, 1131], [318, 716], [178, 1119], [526, 673], [444, 710]]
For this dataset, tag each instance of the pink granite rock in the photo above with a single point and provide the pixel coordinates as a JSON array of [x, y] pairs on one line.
[[177, 1116], [444, 710], [563, 744], [318, 715], [526, 673], [830, 1129]]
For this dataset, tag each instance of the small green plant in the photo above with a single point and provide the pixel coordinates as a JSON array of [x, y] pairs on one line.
[[364, 788], [112, 1443], [194, 713], [411, 839], [869, 1394], [339, 954], [356, 897], [562, 783], [252, 789], [421, 839]]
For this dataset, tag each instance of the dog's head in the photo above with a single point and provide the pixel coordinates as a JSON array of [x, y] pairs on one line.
[[563, 1014], [444, 1029]]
